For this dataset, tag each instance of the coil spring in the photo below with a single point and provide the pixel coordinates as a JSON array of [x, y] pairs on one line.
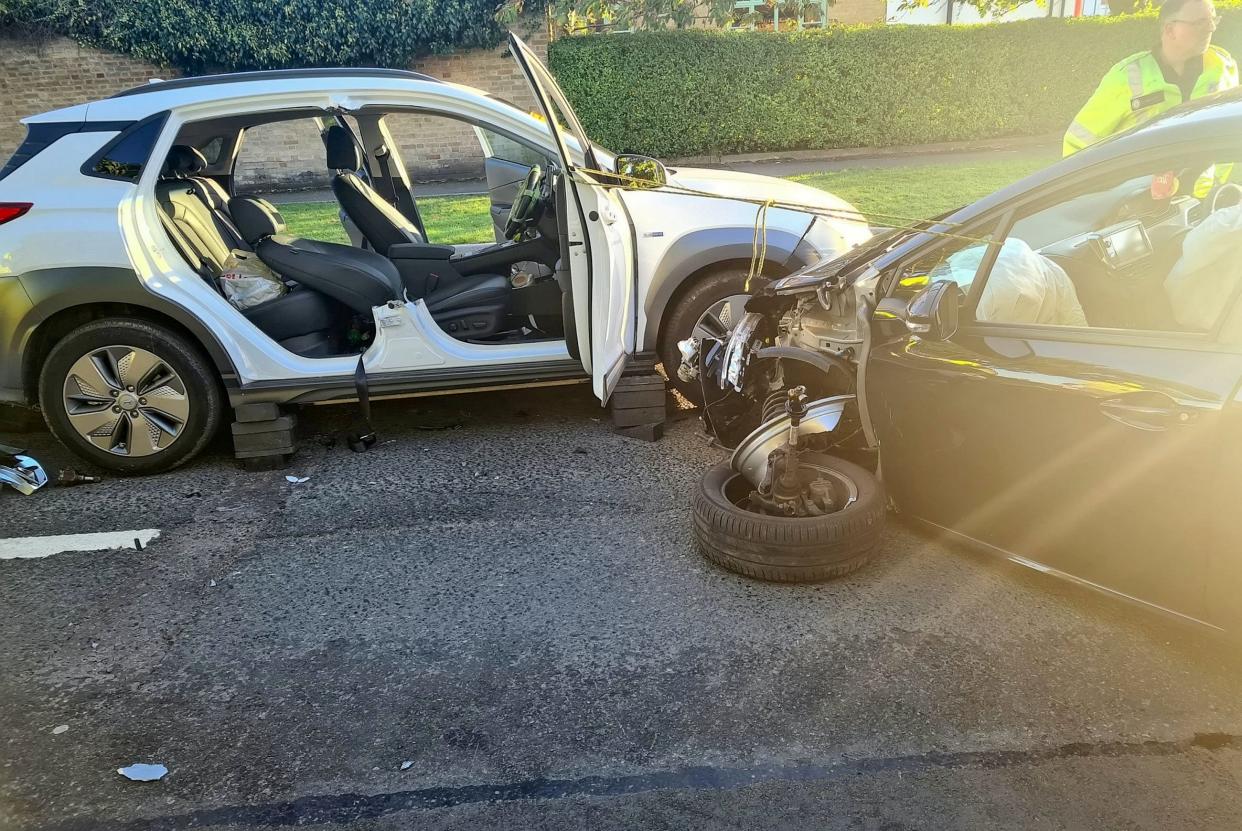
[[774, 405]]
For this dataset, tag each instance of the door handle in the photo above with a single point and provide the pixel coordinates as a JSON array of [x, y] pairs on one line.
[[1147, 414]]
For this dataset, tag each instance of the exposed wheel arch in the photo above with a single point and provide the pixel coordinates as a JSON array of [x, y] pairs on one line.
[[772, 270], [49, 331]]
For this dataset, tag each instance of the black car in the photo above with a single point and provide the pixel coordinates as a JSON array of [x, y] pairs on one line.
[[1053, 372]]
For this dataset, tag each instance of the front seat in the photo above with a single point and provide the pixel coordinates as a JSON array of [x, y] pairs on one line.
[[381, 224], [359, 279]]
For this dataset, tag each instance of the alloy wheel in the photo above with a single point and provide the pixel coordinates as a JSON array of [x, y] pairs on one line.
[[126, 400]]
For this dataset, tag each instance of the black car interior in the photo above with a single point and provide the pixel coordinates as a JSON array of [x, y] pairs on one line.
[[473, 293], [1119, 268]]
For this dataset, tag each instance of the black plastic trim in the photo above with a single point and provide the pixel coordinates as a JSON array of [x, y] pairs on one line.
[[273, 75], [336, 387], [88, 167]]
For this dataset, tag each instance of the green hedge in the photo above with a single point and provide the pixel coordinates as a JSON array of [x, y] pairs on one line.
[[199, 36], [682, 93]]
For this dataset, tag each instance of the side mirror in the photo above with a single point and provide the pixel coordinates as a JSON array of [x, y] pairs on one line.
[[933, 312], [640, 171]]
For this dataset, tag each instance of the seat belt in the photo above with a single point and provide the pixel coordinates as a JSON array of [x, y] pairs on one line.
[[381, 155], [362, 437]]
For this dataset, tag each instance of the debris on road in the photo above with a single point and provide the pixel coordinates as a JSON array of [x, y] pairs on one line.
[[297, 480], [407, 765], [60, 728], [68, 477], [140, 772], [21, 472]]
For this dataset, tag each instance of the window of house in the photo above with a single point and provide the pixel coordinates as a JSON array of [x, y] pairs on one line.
[[776, 16]]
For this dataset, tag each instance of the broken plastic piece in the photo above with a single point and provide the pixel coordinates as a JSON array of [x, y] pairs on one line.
[[139, 772], [407, 765], [60, 728], [297, 480], [21, 472]]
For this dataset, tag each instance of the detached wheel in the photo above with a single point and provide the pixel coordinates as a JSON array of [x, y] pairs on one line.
[[789, 549], [712, 307], [130, 396]]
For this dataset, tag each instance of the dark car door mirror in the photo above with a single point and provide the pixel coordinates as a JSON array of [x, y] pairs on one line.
[[641, 171], [933, 313]]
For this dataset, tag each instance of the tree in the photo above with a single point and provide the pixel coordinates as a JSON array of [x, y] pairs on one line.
[[578, 16]]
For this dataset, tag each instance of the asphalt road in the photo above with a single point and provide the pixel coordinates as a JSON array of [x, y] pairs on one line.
[[505, 595]]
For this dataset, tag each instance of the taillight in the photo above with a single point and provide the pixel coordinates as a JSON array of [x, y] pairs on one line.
[[10, 211]]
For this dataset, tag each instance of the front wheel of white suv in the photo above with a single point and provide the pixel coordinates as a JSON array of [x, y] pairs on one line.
[[129, 395], [710, 308]]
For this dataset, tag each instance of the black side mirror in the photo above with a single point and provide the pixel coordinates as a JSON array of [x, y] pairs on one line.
[[640, 171], [933, 313]]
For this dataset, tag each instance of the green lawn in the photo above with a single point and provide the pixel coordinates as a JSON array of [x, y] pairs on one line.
[[885, 195], [449, 219]]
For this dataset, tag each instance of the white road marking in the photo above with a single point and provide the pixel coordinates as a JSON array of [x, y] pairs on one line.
[[16, 548]]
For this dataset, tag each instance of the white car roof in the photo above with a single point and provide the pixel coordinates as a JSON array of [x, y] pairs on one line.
[[140, 102]]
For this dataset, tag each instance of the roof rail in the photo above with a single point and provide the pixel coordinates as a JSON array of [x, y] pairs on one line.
[[156, 85]]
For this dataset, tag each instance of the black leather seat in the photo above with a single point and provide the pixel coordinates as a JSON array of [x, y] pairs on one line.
[[302, 321], [383, 225], [186, 163], [359, 279]]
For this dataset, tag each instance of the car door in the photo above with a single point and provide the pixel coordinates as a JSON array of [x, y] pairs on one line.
[[600, 240], [1088, 450], [506, 163]]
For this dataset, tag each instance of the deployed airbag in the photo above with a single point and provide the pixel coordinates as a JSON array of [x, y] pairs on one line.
[[1023, 287], [1204, 279]]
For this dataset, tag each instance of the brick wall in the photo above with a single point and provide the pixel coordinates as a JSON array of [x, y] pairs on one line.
[[58, 73]]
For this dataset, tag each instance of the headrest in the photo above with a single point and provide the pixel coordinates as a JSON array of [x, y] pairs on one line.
[[183, 160], [342, 151], [255, 218]]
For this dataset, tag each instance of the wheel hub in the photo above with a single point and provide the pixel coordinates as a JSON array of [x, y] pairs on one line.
[[126, 400]]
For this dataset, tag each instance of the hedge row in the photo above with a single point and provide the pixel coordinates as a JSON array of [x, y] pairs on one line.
[[682, 93], [198, 36]]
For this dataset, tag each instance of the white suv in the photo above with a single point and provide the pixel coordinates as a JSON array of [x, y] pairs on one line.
[[118, 223]]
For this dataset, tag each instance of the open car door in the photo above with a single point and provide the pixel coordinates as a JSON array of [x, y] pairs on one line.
[[600, 240]]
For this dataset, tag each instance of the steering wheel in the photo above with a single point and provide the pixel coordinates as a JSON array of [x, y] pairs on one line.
[[527, 205], [1226, 196]]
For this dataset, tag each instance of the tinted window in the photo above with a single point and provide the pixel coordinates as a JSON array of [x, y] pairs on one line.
[[126, 156]]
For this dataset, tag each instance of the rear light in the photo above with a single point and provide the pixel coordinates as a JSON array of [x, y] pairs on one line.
[[12, 210]]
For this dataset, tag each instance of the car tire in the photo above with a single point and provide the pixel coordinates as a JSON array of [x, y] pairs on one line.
[[684, 317], [788, 549], [166, 399]]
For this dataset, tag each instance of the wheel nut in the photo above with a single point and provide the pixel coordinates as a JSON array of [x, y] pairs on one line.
[[131, 389], [113, 392], [142, 401], [116, 409]]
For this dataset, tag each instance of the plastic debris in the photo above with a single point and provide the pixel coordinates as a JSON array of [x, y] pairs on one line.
[[139, 772], [212, 584], [60, 728], [407, 765], [22, 473], [297, 480]]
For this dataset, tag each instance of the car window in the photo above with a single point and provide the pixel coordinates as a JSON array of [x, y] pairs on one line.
[[1160, 251], [281, 155], [957, 258], [126, 155], [498, 146]]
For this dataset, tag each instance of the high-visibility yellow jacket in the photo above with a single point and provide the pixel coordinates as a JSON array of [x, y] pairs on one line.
[[1135, 90]]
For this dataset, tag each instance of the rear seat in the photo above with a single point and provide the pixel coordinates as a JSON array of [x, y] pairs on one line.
[[303, 321], [184, 163]]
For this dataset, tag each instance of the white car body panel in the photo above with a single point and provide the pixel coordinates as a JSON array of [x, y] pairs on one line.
[[116, 224]]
